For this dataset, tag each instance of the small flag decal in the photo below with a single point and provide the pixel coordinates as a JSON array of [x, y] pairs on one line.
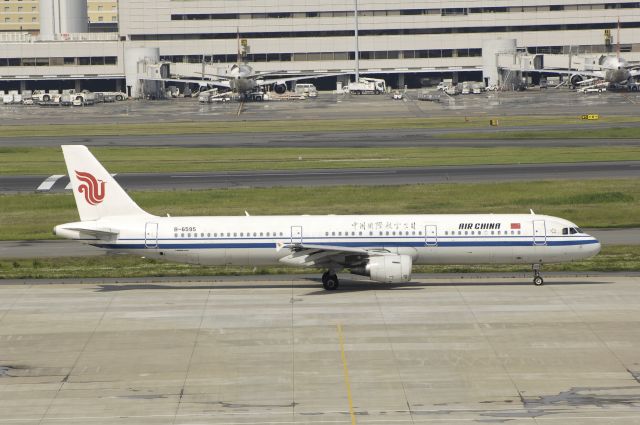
[[515, 226]]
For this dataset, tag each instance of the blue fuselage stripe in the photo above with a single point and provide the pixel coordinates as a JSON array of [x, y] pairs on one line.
[[369, 244]]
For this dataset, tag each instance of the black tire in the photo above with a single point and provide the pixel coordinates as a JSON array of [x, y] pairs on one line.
[[538, 281], [46, 98], [634, 88], [119, 97], [330, 282]]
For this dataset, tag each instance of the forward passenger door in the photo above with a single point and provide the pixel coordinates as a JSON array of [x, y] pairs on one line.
[[539, 232]]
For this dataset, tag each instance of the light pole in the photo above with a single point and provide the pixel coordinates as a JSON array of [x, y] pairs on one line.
[[355, 15]]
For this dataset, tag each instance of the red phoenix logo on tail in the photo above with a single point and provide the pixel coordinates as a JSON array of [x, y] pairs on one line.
[[91, 188]]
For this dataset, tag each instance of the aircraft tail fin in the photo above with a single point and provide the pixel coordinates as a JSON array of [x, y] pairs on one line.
[[96, 192]]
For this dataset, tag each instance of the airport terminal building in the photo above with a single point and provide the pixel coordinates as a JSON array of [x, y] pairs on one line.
[[402, 41]]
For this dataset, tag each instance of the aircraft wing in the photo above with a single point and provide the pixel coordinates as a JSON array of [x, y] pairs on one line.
[[588, 81], [296, 78], [311, 255], [202, 83], [594, 74]]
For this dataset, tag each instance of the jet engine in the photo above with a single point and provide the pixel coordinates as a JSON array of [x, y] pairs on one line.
[[280, 87], [575, 79], [386, 268]]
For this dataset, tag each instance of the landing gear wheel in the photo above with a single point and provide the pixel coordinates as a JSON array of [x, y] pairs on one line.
[[330, 281], [537, 279]]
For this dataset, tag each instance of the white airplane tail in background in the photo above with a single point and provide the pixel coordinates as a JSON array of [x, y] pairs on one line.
[[96, 192]]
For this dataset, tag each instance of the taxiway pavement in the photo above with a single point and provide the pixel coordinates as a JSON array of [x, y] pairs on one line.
[[345, 176], [347, 139], [284, 351]]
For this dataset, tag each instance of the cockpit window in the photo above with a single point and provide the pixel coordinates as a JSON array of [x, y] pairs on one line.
[[571, 230]]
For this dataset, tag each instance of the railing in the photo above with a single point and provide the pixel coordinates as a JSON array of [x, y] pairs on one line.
[[25, 37], [15, 37], [84, 36]]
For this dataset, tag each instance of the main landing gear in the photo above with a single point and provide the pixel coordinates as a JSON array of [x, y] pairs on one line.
[[537, 279], [330, 281]]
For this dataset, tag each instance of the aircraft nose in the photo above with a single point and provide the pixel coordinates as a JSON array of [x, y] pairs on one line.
[[594, 247]]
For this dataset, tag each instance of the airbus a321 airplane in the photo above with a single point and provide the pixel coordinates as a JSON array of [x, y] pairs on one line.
[[382, 247]]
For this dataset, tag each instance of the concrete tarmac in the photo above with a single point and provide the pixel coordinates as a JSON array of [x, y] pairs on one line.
[[284, 351], [188, 112], [346, 176]]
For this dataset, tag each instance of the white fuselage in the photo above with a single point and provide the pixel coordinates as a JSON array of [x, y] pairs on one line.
[[428, 239]]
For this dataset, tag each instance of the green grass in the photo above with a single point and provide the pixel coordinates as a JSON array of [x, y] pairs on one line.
[[319, 125], [612, 258], [589, 203], [35, 161]]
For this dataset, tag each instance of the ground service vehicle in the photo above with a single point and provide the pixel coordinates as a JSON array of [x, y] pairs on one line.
[[367, 86]]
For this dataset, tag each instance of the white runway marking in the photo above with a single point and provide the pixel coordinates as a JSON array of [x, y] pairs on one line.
[[48, 183]]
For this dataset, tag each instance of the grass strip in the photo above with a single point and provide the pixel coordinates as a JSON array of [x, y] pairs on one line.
[[41, 161], [309, 126], [589, 203], [611, 259]]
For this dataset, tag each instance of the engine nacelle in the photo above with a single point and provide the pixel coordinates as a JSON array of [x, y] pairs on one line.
[[280, 87], [575, 79], [387, 268]]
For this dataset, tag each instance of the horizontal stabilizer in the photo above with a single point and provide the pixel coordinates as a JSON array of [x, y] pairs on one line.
[[82, 230]]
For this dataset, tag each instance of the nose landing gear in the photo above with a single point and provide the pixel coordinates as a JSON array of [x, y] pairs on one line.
[[537, 279], [330, 281]]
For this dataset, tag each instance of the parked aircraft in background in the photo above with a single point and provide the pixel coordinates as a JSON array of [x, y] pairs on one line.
[[381, 247], [611, 69], [242, 79]]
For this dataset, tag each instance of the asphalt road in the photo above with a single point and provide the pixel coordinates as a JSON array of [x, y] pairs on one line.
[[348, 176], [67, 248], [351, 139]]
